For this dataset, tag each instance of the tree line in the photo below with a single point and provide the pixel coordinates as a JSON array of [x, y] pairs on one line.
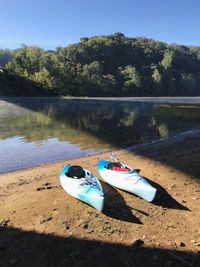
[[112, 65]]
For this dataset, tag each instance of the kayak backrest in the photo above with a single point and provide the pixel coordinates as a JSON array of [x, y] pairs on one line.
[[75, 172]]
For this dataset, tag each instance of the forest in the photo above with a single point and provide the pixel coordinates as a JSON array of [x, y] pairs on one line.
[[112, 65]]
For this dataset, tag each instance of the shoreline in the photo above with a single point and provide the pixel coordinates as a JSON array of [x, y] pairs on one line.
[[38, 218], [152, 99], [139, 147]]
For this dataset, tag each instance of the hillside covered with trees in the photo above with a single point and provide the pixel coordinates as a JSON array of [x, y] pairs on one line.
[[112, 65]]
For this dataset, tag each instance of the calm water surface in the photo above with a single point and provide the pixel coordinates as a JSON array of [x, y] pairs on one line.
[[35, 131]]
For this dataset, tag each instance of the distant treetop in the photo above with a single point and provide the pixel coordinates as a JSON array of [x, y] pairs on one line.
[[104, 65]]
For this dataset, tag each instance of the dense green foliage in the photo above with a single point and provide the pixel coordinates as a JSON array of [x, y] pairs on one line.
[[112, 65]]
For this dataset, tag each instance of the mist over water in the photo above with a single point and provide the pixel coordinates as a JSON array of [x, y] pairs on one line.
[[35, 131]]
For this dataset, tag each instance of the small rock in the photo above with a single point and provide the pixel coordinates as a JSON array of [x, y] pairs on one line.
[[183, 201], [5, 222], [46, 219], [50, 187], [179, 243], [40, 188], [85, 226], [46, 184], [182, 244], [66, 225], [173, 186], [195, 198]]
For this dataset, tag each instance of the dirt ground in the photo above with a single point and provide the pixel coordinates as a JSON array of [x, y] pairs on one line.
[[40, 225]]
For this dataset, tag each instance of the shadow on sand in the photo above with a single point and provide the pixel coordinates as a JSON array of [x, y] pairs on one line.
[[21, 248], [164, 199], [115, 206]]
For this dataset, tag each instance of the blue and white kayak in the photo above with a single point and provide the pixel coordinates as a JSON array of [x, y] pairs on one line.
[[83, 185], [128, 180]]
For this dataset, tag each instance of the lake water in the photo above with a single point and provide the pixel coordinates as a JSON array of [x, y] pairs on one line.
[[37, 131]]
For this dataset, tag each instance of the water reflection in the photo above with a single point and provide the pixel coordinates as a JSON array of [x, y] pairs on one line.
[[34, 132]]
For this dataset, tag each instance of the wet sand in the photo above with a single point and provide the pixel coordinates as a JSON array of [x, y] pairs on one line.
[[40, 225]]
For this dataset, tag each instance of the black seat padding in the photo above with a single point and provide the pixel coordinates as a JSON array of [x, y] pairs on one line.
[[75, 172]]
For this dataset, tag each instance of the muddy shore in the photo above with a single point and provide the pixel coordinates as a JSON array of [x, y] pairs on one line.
[[40, 225]]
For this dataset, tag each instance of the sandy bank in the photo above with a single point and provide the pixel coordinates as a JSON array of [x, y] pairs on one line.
[[40, 225]]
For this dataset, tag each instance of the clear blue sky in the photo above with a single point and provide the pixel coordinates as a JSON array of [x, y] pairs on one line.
[[52, 23]]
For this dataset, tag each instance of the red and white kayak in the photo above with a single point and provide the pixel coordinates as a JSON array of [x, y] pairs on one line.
[[123, 177]]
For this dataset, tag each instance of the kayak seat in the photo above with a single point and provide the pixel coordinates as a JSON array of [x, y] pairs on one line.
[[114, 166], [120, 169], [76, 172]]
